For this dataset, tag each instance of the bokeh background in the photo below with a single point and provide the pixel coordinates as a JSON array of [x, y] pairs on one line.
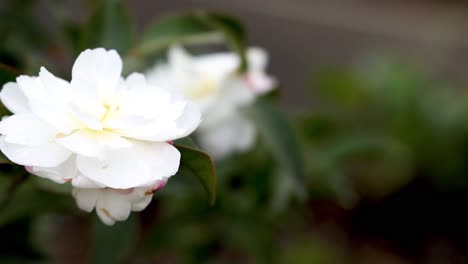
[[377, 94]]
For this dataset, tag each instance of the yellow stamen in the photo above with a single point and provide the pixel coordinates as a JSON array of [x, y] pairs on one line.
[[107, 106]]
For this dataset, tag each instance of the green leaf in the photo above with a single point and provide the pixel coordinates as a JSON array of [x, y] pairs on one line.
[[3, 158], [194, 28], [233, 32], [113, 244], [283, 142], [169, 30], [50, 186], [198, 163], [27, 200], [341, 87], [109, 27]]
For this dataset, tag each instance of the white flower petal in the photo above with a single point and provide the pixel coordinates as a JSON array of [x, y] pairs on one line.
[[96, 71], [86, 198], [62, 173], [112, 206], [84, 182], [47, 155], [136, 81], [258, 59], [26, 129], [139, 165], [105, 217], [13, 98], [234, 134], [167, 130], [142, 203], [32, 88], [58, 90], [93, 143]]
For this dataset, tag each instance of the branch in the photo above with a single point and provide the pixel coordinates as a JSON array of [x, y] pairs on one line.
[[10, 191]]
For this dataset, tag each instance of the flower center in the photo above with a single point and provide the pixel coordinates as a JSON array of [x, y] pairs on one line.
[[106, 113], [201, 90]]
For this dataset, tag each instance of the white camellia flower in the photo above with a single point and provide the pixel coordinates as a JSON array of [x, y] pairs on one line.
[[212, 82], [106, 135]]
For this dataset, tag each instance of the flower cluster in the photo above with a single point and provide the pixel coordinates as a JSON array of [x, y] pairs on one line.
[[107, 135], [214, 84]]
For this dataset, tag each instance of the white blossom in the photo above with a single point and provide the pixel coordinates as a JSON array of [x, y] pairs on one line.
[[212, 81], [101, 132], [114, 205]]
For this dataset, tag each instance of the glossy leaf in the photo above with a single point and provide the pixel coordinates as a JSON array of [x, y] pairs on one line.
[[109, 27], [170, 30], [197, 163], [283, 142], [194, 28], [233, 33]]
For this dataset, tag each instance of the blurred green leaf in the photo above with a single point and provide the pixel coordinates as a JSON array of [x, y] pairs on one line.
[[114, 244], [4, 159], [194, 28], [27, 200], [48, 185], [339, 87], [109, 26], [7, 74], [170, 30], [317, 127], [281, 138], [310, 250], [232, 30], [198, 163]]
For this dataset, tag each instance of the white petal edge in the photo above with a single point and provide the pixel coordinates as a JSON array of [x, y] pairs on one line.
[[140, 165], [47, 155], [13, 98]]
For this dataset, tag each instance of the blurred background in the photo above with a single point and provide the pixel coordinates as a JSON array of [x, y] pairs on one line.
[[376, 93]]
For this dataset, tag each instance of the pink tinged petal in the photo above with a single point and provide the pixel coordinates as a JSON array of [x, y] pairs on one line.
[[260, 83], [13, 98], [26, 129], [93, 144], [96, 71], [112, 206], [126, 191], [140, 165], [28, 168], [47, 155], [66, 171], [159, 185], [86, 198]]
